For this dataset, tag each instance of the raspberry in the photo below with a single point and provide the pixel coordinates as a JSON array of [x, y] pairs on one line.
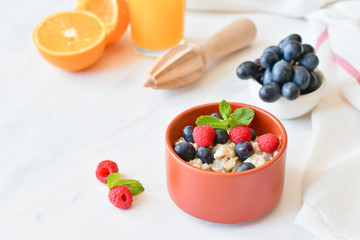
[[121, 197], [203, 136], [104, 168], [268, 142], [239, 134]]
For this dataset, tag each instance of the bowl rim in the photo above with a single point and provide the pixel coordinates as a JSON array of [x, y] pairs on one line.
[[170, 147]]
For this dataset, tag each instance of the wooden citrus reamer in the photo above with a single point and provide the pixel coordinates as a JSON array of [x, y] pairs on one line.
[[185, 63]]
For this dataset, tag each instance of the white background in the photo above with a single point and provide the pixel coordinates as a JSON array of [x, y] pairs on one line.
[[56, 126]]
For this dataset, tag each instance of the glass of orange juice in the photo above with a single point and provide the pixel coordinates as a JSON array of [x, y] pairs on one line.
[[156, 25]]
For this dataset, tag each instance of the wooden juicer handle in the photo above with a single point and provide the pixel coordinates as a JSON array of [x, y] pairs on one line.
[[235, 36]]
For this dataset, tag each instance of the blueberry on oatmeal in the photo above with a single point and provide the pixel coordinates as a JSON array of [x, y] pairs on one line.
[[245, 166], [205, 154], [253, 134], [185, 150], [188, 133], [216, 115], [221, 136], [244, 150]]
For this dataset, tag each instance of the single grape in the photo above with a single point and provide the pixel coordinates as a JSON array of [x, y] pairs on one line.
[[281, 72], [295, 37], [258, 77], [268, 59], [313, 85], [267, 76], [282, 45], [292, 50], [270, 92], [283, 42], [310, 61], [307, 48], [247, 70], [290, 91], [275, 49], [301, 77]]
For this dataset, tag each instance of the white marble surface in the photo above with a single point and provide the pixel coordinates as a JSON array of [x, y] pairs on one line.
[[55, 127]]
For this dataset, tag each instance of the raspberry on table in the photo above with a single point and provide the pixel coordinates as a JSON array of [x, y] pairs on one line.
[[268, 142], [204, 135], [239, 134], [104, 168], [121, 197]]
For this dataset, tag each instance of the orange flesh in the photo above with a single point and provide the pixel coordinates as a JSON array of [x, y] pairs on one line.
[[68, 33]]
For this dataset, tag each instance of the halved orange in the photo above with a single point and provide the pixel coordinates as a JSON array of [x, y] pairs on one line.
[[114, 13], [71, 40]]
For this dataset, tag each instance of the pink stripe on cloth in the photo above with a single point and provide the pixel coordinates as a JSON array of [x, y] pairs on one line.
[[340, 60], [347, 66], [323, 36]]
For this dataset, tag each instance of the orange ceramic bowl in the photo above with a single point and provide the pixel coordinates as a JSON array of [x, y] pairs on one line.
[[225, 197]]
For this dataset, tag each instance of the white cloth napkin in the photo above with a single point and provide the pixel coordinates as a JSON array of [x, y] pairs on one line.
[[293, 8], [331, 207]]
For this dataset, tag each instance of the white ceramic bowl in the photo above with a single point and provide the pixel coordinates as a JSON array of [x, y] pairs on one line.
[[286, 109]]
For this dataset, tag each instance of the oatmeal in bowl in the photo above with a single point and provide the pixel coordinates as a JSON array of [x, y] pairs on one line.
[[225, 142], [229, 175]]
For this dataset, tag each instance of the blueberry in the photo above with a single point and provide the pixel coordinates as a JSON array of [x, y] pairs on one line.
[[275, 49], [290, 91], [270, 92], [244, 150], [205, 154], [292, 51], [313, 85], [267, 77], [187, 133], [268, 59], [310, 61], [301, 77], [185, 150], [253, 134], [281, 72], [221, 136], [217, 115], [247, 70], [307, 48], [245, 166]]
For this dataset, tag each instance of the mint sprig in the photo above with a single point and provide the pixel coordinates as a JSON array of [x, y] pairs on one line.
[[212, 121], [225, 109], [241, 116], [134, 186]]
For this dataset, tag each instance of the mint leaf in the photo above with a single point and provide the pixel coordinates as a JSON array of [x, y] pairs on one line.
[[134, 186], [112, 179], [225, 109], [241, 116], [212, 122]]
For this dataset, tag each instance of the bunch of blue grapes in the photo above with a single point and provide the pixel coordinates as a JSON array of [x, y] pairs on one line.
[[285, 70]]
